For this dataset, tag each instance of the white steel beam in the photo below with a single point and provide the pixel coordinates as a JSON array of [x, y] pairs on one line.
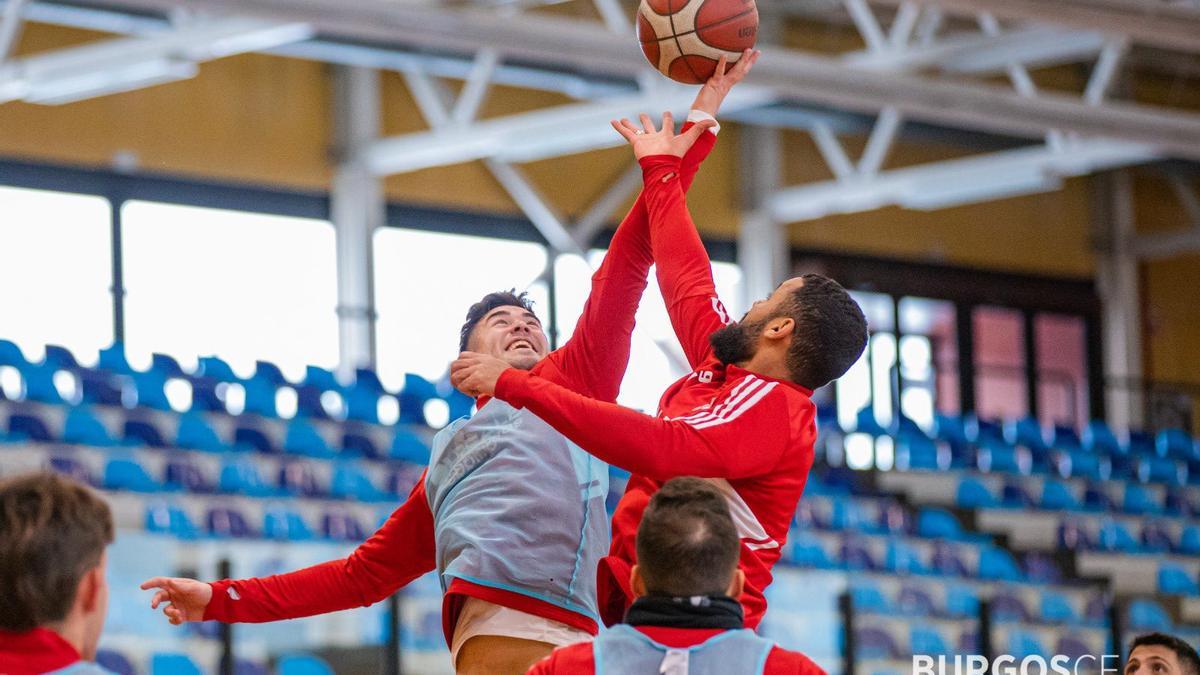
[[978, 54], [594, 218], [563, 43], [1153, 23], [121, 64], [953, 182], [1117, 281], [10, 27]]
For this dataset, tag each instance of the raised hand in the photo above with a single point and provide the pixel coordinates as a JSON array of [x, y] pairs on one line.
[[714, 91], [477, 374], [648, 141], [181, 599]]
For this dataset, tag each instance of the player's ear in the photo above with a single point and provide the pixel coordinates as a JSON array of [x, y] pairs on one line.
[[737, 585], [89, 589], [780, 327], [636, 582]]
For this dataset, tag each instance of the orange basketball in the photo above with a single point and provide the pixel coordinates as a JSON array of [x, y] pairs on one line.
[[683, 39]]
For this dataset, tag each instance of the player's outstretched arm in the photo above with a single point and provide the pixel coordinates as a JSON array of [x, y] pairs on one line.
[[400, 551]]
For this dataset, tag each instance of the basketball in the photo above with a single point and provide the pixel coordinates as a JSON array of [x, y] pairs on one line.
[[683, 39]]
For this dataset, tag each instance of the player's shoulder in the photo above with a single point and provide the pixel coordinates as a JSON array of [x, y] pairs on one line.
[[786, 662], [568, 660]]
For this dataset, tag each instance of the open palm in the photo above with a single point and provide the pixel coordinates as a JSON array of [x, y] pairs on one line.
[[647, 140]]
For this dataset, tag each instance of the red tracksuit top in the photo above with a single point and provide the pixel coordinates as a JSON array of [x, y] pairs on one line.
[[578, 659], [592, 362], [751, 434]]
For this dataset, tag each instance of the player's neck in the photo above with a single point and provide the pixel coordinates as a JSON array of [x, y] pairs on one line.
[[71, 630], [763, 363]]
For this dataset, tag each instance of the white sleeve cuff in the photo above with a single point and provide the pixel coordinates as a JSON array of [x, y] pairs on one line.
[[695, 116]]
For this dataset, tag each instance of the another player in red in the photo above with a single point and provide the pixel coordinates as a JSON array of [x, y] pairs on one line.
[[742, 418], [509, 512], [685, 618]]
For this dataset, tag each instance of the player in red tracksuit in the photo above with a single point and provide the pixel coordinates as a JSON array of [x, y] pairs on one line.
[[408, 544], [742, 418]]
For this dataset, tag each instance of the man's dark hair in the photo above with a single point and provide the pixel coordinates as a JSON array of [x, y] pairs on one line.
[[1188, 659], [830, 333], [475, 314], [687, 544], [52, 531]]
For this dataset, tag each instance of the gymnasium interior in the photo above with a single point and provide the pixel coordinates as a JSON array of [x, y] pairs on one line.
[[238, 239]]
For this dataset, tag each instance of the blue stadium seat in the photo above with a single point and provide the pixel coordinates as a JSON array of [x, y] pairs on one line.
[[1141, 444], [947, 561], [1026, 431], [246, 667], [1056, 496], [302, 664], [1152, 469], [166, 365], [924, 639], [460, 404], [1176, 444], [350, 482], [961, 601], [151, 388], [1189, 540], [308, 403], [917, 452], [1007, 608], [40, 385], [303, 439], [1113, 536], [359, 445], [342, 526], [173, 664], [247, 437], [170, 519], [1096, 498], [241, 476], [112, 359], [10, 355], [1022, 643], [850, 514], [114, 661], [874, 643], [892, 518], [1073, 535], [936, 523], [260, 397], [997, 563], [228, 523], [405, 476], [321, 379], [1156, 538], [408, 446], [215, 368], [127, 474], [1040, 568], [1080, 464], [69, 466], [28, 425], [865, 423], [913, 601], [1057, 608], [298, 479], [805, 550], [417, 390], [195, 433], [1139, 500], [142, 432], [84, 428], [99, 388], [1074, 647], [204, 395], [285, 525], [1098, 438], [868, 598], [996, 456], [855, 555], [182, 474], [903, 558], [265, 370], [1145, 615], [362, 404], [367, 379], [1016, 496], [1065, 438], [1175, 580]]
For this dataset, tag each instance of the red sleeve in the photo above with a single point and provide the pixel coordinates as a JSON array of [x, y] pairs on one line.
[[402, 550], [593, 361], [684, 270], [749, 441], [576, 659], [783, 662]]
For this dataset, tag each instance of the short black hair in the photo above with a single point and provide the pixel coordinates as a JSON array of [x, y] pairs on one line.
[[475, 314], [830, 333], [53, 530], [687, 544], [1188, 659]]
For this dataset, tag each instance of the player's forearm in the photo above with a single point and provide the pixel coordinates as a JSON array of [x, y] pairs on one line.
[[683, 265], [638, 443], [313, 590]]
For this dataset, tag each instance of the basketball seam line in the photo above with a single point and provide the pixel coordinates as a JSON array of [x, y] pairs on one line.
[[675, 36], [705, 27]]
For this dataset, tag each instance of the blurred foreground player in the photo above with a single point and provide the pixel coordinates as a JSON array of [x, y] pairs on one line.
[[1159, 654], [510, 512], [743, 418], [685, 619], [53, 594]]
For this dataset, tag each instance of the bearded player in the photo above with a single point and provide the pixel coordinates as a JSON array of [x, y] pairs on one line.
[[743, 418], [509, 512]]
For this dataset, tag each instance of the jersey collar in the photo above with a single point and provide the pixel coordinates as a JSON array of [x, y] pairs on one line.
[[35, 651], [733, 372]]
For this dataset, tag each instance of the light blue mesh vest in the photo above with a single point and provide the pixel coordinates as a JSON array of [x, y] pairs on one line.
[[624, 651], [82, 668], [517, 506]]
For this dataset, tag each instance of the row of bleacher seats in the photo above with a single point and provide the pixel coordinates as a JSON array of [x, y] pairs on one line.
[[174, 663], [214, 387], [1023, 447], [882, 642]]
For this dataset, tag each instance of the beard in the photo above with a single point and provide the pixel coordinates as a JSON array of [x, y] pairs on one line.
[[737, 342]]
